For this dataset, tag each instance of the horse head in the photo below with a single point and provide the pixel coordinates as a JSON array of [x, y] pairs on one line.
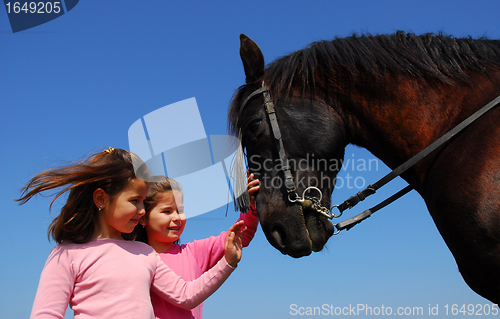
[[313, 140]]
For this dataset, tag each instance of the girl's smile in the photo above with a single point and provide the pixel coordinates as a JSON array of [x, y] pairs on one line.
[[166, 221]]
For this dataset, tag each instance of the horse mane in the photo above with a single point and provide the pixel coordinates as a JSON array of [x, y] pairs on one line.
[[325, 64]]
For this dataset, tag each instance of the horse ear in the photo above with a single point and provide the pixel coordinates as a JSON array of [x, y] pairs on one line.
[[253, 60]]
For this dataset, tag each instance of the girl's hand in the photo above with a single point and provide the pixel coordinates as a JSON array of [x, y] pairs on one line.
[[253, 186], [234, 243]]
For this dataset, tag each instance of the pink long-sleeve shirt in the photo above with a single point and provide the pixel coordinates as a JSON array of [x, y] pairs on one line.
[[193, 259], [110, 278]]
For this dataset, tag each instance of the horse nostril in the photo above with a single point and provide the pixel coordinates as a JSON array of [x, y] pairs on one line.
[[278, 237]]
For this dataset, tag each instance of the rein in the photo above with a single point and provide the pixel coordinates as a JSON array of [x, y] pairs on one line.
[[314, 203]]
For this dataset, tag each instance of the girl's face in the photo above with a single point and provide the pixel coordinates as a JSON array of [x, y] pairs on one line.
[[165, 222], [122, 212]]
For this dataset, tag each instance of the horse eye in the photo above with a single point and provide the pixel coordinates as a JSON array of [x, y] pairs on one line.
[[254, 126]]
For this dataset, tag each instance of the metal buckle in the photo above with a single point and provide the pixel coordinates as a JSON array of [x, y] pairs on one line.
[[313, 203]]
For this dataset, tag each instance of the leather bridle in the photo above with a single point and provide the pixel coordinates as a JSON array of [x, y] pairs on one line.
[[314, 203]]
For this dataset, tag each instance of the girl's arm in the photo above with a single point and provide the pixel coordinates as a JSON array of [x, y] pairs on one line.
[[55, 287], [189, 294], [250, 216], [209, 251]]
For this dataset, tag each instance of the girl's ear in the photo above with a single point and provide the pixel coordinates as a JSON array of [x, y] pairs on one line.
[[142, 221], [99, 198]]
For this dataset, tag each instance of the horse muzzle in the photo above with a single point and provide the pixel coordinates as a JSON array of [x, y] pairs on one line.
[[298, 232]]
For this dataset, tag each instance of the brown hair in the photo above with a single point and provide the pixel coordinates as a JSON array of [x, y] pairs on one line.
[[110, 170], [161, 185]]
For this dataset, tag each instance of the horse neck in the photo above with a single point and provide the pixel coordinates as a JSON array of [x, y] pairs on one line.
[[396, 124]]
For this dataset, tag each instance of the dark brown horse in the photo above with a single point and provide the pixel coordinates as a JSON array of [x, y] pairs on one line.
[[393, 95]]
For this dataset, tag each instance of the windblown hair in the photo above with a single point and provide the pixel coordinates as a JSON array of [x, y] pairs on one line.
[[328, 64], [161, 185], [77, 221]]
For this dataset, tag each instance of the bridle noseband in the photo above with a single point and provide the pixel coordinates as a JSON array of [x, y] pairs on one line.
[[314, 203]]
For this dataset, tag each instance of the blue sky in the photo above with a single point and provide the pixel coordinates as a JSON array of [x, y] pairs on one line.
[[76, 84]]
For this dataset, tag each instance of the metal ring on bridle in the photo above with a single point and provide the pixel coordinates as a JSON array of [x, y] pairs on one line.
[[312, 187], [333, 215], [313, 203], [301, 200], [295, 199]]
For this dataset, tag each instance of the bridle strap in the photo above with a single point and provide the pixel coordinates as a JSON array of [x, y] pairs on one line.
[[353, 221], [250, 97], [285, 166], [271, 113]]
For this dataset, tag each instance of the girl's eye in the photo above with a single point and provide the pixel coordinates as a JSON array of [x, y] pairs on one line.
[[166, 212]]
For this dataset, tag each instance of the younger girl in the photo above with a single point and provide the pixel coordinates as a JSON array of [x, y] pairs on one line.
[[164, 223], [93, 268]]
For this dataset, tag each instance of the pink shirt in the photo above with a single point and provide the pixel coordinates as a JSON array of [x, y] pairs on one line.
[[109, 278], [191, 260]]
